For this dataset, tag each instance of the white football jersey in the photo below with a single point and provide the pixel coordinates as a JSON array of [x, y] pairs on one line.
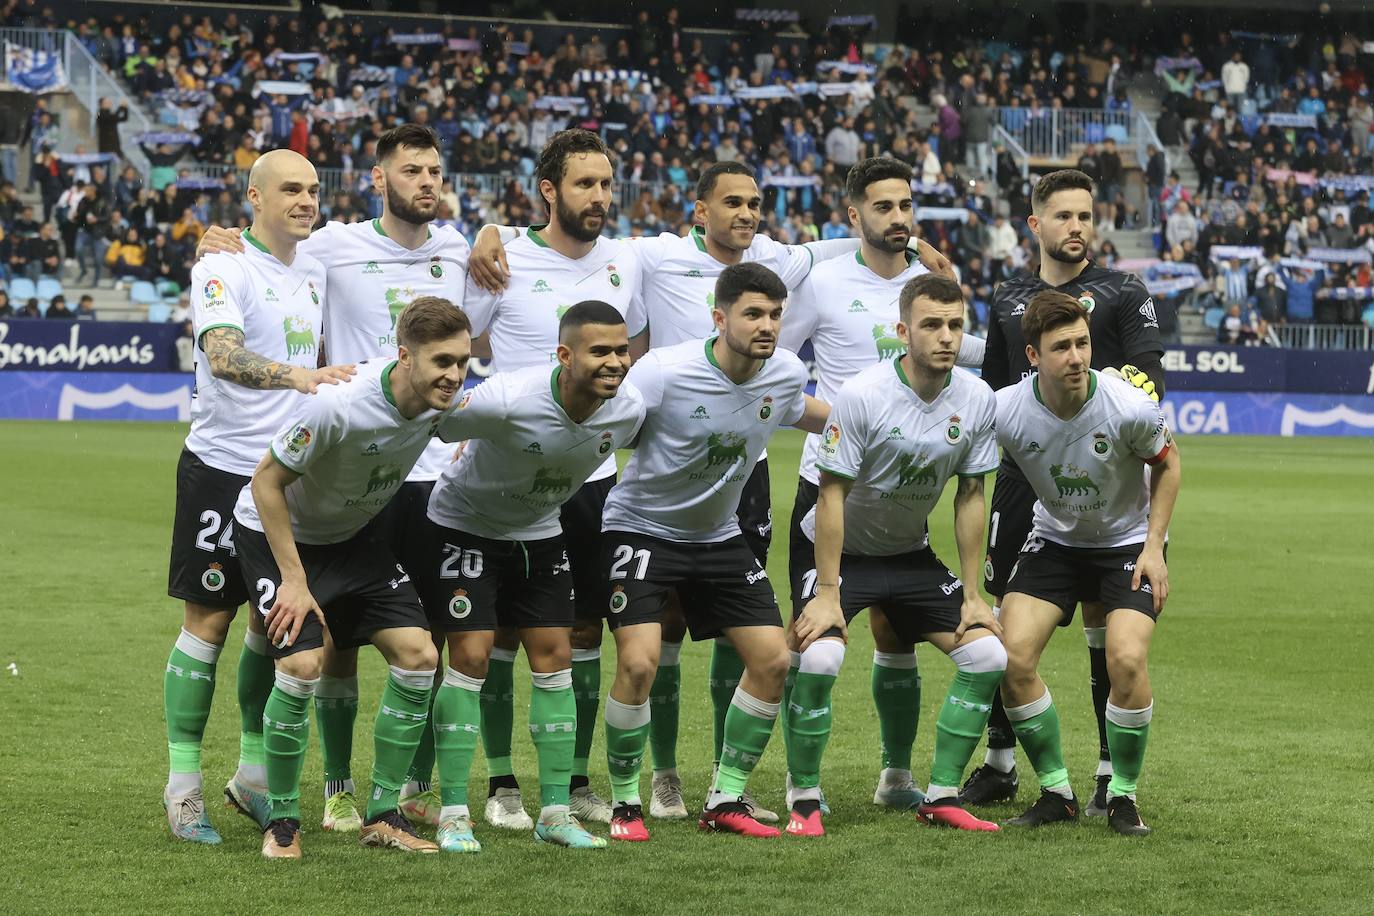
[[701, 437], [900, 451], [353, 449], [525, 457], [278, 309], [371, 279], [1088, 473], [678, 278], [523, 318], [850, 315]]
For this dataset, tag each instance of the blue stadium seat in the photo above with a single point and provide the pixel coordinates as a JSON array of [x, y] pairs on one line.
[[22, 290], [1118, 133], [159, 311], [1093, 133], [47, 288], [1368, 316], [1212, 318], [168, 289], [144, 293]]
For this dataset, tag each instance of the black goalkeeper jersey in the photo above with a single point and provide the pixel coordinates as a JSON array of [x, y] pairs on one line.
[[1121, 320]]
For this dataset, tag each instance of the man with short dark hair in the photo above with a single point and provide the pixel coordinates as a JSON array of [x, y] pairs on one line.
[[57, 308], [1082, 440], [312, 560], [670, 524]]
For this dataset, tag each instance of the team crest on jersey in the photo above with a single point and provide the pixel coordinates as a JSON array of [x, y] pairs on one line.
[[460, 605], [1088, 302], [607, 443], [298, 441], [953, 431], [215, 297], [213, 578], [988, 569], [314, 296], [300, 336], [436, 269], [615, 277], [1101, 447], [766, 410], [618, 599]]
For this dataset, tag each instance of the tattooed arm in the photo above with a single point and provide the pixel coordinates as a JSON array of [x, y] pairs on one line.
[[230, 360]]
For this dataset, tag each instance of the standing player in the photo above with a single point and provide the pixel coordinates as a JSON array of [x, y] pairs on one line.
[[1125, 330], [257, 320], [497, 552], [673, 303], [375, 269], [670, 524], [312, 560], [849, 309], [1083, 439], [897, 433], [553, 267]]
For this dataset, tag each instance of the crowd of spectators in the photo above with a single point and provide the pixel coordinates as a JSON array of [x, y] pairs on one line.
[[1278, 227]]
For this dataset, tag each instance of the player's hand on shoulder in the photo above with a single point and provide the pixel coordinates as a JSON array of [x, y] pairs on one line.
[[821, 613], [312, 379], [976, 612], [293, 606], [487, 265], [932, 260], [1150, 567], [218, 240]]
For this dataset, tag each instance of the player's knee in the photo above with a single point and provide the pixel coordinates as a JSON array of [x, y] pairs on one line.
[[469, 659], [302, 666], [982, 656], [416, 654], [771, 667], [824, 656], [210, 624], [637, 671], [1126, 664]]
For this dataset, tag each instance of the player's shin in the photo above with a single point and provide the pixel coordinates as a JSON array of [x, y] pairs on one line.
[[336, 710], [586, 687], [748, 726], [457, 712], [498, 716], [188, 688], [553, 726], [896, 685], [664, 703], [1128, 731], [286, 733], [256, 675], [726, 670], [809, 716], [1102, 688], [627, 727], [1037, 728], [964, 714], [403, 715]]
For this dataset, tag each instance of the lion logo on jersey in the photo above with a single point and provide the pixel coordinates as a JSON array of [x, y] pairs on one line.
[[918, 471], [396, 301], [726, 449], [300, 336], [1072, 481], [889, 345], [383, 477], [546, 481]]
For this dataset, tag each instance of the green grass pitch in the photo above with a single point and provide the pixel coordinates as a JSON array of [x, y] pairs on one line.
[[1256, 782]]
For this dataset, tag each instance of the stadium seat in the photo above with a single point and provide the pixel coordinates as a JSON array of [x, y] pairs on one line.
[[47, 288], [1212, 318], [1118, 133], [168, 289], [22, 289], [159, 311], [144, 293], [1368, 316], [1093, 133]]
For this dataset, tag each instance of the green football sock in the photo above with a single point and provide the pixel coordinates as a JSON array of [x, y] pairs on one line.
[[897, 697], [665, 702], [787, 687], [403, 715], [457, 711], [748, 726], [255, 678], [336, 709], [422, 764], [553, 726], [1128, 730], [586, 687], [188, 687], [286, 733], [808, 727], [726, 669], [627, 727], [1037, 728], [498, 712], [960, 726]]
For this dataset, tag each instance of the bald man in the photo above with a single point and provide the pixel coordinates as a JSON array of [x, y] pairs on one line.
[[257, 323]]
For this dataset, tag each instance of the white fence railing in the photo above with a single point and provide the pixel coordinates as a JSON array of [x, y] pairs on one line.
[[1018, 152], [1059, 133], [1326, 336]]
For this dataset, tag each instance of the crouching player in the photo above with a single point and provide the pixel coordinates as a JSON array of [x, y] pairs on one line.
[[311, 560], [897, 433], [1084, 441]]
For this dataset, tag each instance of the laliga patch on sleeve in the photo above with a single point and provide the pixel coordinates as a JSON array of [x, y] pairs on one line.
[[298, 441], [215, 295]]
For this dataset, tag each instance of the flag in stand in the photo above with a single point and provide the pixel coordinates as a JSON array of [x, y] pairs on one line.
[[30, 70]]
